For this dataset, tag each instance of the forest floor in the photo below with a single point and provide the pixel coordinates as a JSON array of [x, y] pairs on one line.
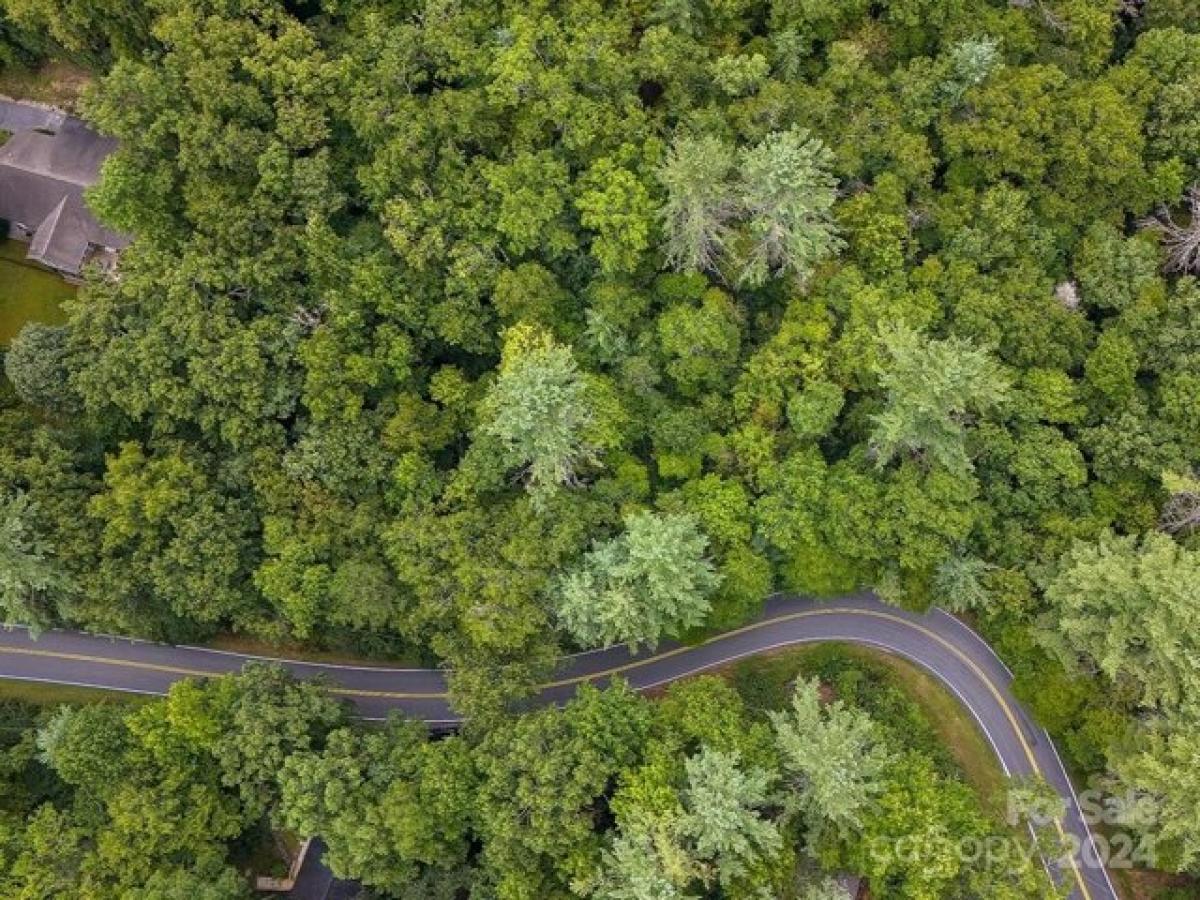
[[58, 83]]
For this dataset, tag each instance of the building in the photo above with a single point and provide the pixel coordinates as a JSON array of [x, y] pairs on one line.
[[44, 171], [315, 882]]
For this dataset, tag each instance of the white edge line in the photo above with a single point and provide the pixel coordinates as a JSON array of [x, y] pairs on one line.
[[1082, 818], [84, 684], [193, 648], [977, 636], [1045, 735], [816, 603], [851, 640], [385, 670]]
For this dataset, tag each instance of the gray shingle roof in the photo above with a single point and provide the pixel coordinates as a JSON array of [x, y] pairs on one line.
[[42, 179]]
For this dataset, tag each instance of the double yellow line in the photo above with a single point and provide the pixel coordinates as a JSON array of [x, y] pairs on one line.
[[630, 666]]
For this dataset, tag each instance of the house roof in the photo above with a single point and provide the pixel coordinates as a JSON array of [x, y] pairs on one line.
[[61, 240], [42, 179], [316, 882]]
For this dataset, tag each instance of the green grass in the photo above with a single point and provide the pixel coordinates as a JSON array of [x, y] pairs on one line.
[[28, 293], [37, 693]]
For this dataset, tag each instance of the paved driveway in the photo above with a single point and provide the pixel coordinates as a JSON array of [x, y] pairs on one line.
[[17, 115]]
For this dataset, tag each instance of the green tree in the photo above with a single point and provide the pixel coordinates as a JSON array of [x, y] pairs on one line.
[[32, 581], [1129, 607], [544, 777], [911, 833], [615, 205], [37, 363], [833, 758], [933, 388], [174, 546], [96, 32], [50, 857], [786, 193], [210, 881], [390, 806], [87, 746], [269, 718], [653, 580]]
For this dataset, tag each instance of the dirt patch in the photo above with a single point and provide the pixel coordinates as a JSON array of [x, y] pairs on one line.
[[56, 82]]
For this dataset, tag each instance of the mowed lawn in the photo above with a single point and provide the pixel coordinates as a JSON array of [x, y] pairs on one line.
[[28, 293]]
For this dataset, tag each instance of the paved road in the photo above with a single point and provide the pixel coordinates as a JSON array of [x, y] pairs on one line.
[[938, 642], [20, 115]]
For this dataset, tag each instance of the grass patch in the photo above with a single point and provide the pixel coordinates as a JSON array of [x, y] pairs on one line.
[[38, 693], [955, 726], [28, 293], [901, 696], [55, 82]]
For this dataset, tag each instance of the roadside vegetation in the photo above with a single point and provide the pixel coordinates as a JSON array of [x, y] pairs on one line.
[[474, 333], [610, 797], [892, 689]]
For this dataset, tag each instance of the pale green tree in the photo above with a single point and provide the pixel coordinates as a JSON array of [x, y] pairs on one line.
[[648, 863], [833, 758], [969, 63], [653, 580], [823, 889], [786, 196], [933, 390], [723, 818], [1131, 608], [539, 412], [1166, 768], [959, 583], [700, 206]]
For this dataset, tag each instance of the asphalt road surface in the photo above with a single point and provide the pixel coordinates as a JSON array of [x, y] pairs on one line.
[[937, 642]]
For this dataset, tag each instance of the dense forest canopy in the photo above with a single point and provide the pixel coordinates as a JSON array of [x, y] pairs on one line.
[[479, 331]]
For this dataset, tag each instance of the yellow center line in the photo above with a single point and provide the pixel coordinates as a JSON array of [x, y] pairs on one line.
[[626, 667], [111, 661], [119, 663]]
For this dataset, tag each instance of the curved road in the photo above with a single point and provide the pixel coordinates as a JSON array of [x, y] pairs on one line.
[[938, 642]]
